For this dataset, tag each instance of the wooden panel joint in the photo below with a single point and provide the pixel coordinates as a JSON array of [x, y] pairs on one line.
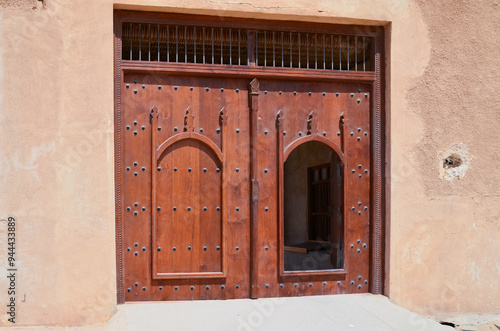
[[254, 256]]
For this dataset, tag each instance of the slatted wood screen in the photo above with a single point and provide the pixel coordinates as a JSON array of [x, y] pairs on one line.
[[209, 45]]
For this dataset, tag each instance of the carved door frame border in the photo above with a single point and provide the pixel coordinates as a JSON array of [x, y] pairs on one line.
[[379, 196]]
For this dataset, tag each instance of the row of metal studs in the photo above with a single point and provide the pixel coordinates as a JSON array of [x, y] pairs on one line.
[[267, 286]]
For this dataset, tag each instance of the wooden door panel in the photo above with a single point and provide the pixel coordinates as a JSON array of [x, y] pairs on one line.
[[136, 193], [357, 199], [189, 223], [187, 184], [191, 190], [305, 112]]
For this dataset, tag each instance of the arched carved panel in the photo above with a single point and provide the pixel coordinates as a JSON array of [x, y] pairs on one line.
[[194, 136], [327, 142], [187, 189], [189, 222]]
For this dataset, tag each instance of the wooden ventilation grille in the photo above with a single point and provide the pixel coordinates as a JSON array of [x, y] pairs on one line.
[[312, 51], [212, 45], [184, 44]]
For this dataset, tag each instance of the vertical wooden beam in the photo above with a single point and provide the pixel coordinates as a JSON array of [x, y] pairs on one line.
[[345, 185], [118, 81], [154, 164], [281, 187], [254, 258], [378, 198], [223, 125], [343, 133]]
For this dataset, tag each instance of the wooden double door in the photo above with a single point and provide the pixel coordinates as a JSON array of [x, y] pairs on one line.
[[239, 187]]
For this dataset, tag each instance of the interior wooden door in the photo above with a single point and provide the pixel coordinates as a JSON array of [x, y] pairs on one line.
[[186, 188]]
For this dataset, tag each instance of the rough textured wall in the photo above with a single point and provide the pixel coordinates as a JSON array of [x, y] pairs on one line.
[[56, 160], [24, 4], [446, 227]]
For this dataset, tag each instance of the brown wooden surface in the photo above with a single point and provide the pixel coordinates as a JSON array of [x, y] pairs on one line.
[[253, 89], [294, 102], [248, 71], [200, 125], [135, 247], [380, 193], [200, 188]]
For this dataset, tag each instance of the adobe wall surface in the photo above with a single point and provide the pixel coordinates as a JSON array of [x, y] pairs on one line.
[[445, 225], [56, 156]]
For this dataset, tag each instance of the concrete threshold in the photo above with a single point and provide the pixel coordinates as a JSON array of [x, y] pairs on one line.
[[364, 312]]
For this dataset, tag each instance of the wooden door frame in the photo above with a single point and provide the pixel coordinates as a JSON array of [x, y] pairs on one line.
[[379, 155]]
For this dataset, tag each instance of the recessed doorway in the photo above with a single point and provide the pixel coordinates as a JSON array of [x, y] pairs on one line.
[[249, 158]]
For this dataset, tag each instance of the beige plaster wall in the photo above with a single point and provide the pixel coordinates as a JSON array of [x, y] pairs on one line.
[[445, 234], [56, 155], [56, 160]]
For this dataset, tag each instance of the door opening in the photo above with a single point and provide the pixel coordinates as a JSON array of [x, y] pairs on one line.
[[313, 222]]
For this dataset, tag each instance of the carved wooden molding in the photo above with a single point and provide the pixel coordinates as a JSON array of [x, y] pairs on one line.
[[342, 122], [311, 123], [254, 86], [280, 119], [223, 117], [190, 135], [189, 120], [154, 112]]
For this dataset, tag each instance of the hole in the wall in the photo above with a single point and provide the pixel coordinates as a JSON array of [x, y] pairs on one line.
[[452, 161], [38, 4], [447, 324]]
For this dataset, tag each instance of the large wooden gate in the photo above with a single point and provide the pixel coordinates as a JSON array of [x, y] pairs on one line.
[[246, 184]]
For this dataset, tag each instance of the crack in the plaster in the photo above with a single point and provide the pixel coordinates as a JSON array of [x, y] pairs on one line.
[[252, 5], [222, 2]]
